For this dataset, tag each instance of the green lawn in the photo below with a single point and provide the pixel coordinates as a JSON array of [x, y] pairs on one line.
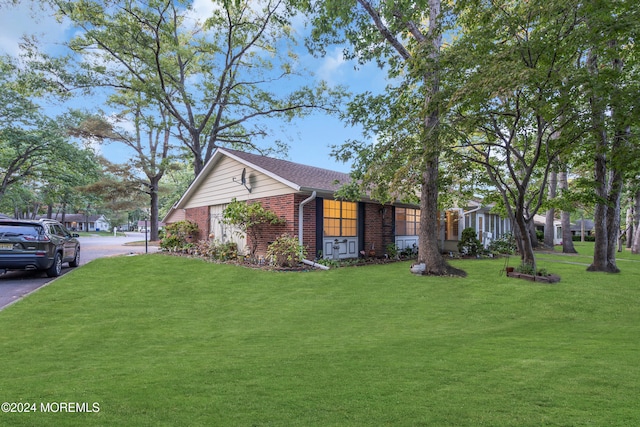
[[164, 341]]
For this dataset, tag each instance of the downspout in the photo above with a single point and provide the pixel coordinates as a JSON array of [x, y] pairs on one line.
[[301, 230]]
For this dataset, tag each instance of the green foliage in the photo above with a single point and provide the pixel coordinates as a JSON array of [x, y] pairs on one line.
[[173, 185], [172, 243], [392, 250], [330, 262], [219, 75], [248, 218], [286, 251], [578, 238], [409, 252], [206, 249], [246, 215], [504, 245], [178, 235], [469, 243], [525, 268], [34, 149], [226, 251]]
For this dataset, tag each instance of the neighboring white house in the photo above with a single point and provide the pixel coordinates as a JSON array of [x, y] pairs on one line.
[[540, 222], [488, 225]]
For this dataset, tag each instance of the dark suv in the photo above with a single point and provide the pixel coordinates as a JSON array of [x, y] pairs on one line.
[[37, 245]]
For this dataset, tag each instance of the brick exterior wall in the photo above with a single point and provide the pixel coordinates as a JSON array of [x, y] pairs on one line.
[[267, 233], [378, 228], [308, 224], [200, 216], [287, 207], [378, 223]]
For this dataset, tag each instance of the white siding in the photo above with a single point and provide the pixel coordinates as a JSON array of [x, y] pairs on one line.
[[224, 233], [219, 186], [175, 216]]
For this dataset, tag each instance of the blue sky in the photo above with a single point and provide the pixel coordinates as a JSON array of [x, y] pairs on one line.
[[309, 139]]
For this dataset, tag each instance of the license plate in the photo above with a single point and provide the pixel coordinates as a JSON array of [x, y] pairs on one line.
[[6, 246]]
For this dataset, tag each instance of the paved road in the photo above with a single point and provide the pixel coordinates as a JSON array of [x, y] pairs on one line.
[[16, 284]]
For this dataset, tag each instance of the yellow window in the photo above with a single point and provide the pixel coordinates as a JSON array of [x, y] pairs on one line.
[[340, 218]]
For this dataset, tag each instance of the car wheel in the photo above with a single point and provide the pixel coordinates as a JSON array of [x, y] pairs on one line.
[[76, 259], [56, 267]]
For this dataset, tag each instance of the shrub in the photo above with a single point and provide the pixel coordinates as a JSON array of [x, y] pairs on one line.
[[392, 250], [503, 245], [469, 243], [171, 243], [178, 235], [227, 251], [409, 252], [526, 269], [207, 249], [578, 238], [248, 217], [286, 251]]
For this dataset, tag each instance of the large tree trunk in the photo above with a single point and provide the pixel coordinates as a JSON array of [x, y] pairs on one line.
[[64, 212], [549, 229], [565, 218], [429, 251], [630, 226], [635, 246], [601, 257], [613, 219], [153, 193], [533, 235], [601, 250], [522, 233]]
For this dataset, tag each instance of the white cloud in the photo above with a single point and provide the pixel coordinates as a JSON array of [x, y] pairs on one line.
[[26, 19], [331, 69], [202, 10]]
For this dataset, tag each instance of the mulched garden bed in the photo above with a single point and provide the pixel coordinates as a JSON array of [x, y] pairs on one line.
[[550, 278], [254, 264]]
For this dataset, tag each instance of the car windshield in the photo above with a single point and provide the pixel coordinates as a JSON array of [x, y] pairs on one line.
[[19, 230]]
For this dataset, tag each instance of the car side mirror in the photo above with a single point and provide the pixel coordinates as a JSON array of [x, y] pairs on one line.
[[75, 235]]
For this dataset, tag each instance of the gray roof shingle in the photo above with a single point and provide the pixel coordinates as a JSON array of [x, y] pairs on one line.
[[307, 177]]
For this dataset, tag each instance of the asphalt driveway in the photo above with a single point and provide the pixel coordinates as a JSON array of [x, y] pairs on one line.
[[15, 285]]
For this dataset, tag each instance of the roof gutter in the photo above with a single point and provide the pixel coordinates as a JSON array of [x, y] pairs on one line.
[[472, 210]]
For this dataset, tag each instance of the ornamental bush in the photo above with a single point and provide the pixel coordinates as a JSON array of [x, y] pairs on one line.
[[503, 245], [248, 218], [286, 251], [469, 243], [178, 235]]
